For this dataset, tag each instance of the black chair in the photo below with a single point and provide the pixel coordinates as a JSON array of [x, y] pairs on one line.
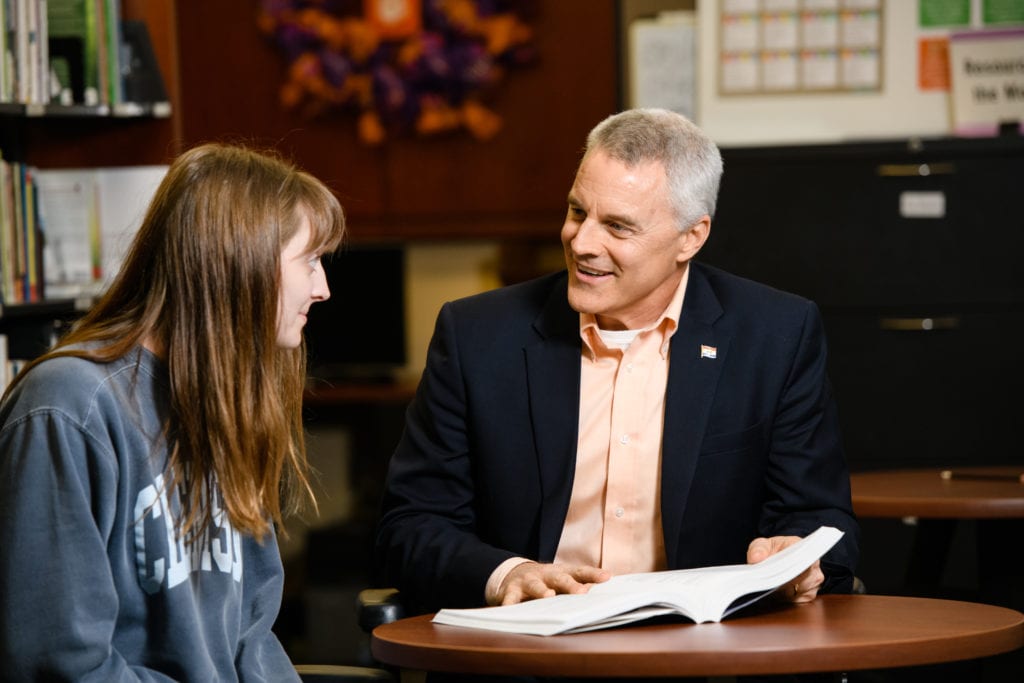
[[376, 606]]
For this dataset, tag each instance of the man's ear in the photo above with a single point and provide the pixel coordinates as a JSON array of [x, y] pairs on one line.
[[694, 238]]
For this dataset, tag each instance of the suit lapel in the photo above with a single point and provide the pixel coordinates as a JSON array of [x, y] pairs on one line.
[[693, 378], [553, 373]]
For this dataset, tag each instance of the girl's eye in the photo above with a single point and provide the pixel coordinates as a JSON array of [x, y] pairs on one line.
[[314, 261]]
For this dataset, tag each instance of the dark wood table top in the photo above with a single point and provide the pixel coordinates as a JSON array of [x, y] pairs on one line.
[[964, 493], [832, 633]]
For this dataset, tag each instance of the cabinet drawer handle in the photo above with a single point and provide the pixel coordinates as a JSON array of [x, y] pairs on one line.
[[922, 169], [950, 322]]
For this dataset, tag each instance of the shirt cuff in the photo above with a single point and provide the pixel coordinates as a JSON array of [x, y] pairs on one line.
[[498, 576]]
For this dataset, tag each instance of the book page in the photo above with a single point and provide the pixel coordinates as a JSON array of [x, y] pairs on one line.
[[706, 593], [558, 614]]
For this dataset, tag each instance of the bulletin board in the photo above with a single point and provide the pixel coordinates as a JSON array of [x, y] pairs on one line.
[[800, 46]]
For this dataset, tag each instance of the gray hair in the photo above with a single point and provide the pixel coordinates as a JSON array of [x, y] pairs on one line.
[[693, 164]]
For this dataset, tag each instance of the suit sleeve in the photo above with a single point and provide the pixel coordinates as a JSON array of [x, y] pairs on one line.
[[808, 481], [428, 542]]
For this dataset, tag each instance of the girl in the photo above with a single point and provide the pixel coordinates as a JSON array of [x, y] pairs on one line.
[[145, 460]]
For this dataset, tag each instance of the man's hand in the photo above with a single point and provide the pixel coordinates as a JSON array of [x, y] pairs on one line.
[[803, 588], [531, 580]]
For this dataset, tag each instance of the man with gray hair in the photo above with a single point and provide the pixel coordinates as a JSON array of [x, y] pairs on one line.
[[638, 411]]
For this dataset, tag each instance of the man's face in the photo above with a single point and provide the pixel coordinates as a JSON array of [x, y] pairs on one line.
[[623, 247]]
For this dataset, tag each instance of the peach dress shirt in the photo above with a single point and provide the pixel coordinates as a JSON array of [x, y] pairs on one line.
[[614, 517]]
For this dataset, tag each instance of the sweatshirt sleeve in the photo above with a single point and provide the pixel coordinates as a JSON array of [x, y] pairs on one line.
[[57, 494], [261, 657]]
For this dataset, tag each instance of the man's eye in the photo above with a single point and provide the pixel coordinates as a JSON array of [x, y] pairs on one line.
[[576, 212]]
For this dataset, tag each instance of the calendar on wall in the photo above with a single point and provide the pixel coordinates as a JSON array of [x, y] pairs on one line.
[[800, 46]]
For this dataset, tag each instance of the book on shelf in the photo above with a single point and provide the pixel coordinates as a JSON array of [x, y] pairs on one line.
[[76, 37], [20, 243], [706, 594], [63, 232], [9, 367], [5, 377], [140, 73], [88, 218], [103, 60], [24, 53], [75, 53]]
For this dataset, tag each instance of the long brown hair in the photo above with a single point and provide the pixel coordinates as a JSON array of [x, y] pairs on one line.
[[200, 285]]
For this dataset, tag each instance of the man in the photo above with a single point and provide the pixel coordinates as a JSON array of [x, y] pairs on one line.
[[640, 411]]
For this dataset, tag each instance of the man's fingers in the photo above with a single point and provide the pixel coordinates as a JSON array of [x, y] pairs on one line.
[[760, 548], [585, 574], [530, 581], [757, 550], [803, 588]]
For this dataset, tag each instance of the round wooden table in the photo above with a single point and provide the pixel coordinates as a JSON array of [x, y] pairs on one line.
[[967, 493], [938, 500], [833, 633]]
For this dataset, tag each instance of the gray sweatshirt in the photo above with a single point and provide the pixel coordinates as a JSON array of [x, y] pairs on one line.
[[94, 583]]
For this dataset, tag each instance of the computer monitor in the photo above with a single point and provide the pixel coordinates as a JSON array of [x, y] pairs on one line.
[[359, 333]]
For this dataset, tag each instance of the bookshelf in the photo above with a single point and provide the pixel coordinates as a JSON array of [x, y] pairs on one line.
[[49, 135]]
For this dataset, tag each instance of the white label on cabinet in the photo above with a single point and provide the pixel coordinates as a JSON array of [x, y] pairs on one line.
[[922, 204]]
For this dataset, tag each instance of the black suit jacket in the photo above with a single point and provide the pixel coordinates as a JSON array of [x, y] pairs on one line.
[[484, 469]]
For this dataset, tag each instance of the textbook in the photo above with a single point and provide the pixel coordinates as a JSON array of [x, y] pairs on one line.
[[702, 594]]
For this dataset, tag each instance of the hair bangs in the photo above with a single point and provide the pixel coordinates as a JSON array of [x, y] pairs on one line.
[[326, 217]]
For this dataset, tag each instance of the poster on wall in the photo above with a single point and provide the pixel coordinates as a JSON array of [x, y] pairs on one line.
[[800, 46], [938, 20], [662, 62], [987, 69]]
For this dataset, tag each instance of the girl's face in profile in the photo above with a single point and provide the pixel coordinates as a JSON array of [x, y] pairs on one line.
[[303, 283]]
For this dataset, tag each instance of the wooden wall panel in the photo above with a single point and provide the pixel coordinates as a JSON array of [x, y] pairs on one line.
[[447, 186]]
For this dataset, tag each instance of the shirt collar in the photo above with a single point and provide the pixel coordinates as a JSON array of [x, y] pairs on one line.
[[667, 322]]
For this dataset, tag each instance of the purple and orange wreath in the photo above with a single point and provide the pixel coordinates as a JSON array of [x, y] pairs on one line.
[[403, 65]]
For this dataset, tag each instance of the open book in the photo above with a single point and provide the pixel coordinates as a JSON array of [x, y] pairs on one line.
[[703, 594]]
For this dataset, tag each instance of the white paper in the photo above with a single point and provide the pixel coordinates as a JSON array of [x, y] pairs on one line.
[[663, 58]]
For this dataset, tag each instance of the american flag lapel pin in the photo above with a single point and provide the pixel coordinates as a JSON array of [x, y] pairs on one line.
[[708, 351]]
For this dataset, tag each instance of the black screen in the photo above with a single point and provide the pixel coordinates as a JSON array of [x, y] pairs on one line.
[[359, 333]]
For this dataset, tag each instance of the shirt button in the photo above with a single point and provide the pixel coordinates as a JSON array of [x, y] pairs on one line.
[[619, 512], [624, 439], [629, 367]]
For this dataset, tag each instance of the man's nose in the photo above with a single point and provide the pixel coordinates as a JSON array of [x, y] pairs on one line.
[[587, 237]]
